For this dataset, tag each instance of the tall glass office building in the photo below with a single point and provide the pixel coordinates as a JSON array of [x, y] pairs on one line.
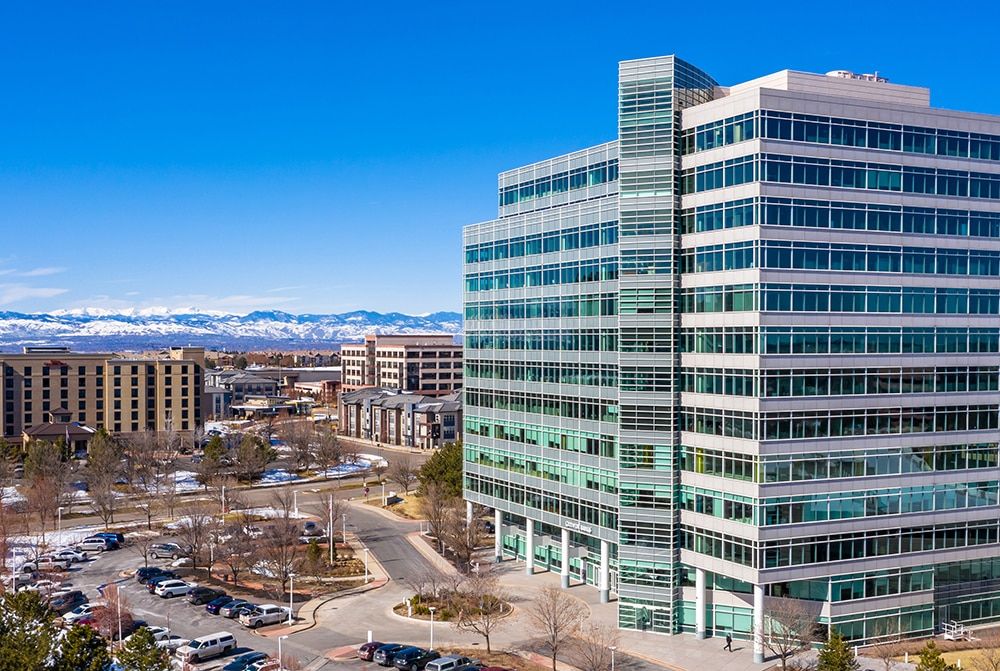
[[748, 350]]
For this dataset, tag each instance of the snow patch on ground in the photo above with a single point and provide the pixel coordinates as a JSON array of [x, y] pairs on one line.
[[277, 476], [270, 513]]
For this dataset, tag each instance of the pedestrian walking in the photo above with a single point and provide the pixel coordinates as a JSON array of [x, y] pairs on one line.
[[729, 642]]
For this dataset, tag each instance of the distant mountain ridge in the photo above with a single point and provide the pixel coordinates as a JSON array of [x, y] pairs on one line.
[[98, 329]]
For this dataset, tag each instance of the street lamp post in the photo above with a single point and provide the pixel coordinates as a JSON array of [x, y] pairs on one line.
[[118, 599], [295, 504], [59, 519], [329, 530], [223, 499], [432, 609], [281, 660], [291, 596], [344, 516], [384, 501], [612, 648]]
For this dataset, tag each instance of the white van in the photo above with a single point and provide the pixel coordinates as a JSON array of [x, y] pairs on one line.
[[206, 647]]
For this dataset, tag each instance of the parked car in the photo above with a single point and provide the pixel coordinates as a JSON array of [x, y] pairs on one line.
[[243, 662], [144, 573], [171, 588], [74, 556], [158, 633], [46, 563], [233, 608], [218, 602], [66, 601], [311, 528], [366, 650], [92, 545], [151, 583], [449, 663], [199, 596], [112, 535], [264, 614], [80, 612], [22, 579], [206, 647], [384, 654], [167, 551], [45, 587], [171, 642], [109, 543], [414, 659]]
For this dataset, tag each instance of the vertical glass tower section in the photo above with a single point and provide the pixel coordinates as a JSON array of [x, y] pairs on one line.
[[651, 94]]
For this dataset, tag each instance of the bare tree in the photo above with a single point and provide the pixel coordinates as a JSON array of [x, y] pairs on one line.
[[557, 618], [104, 469], [988, 657], [142, 545], [144, 470], [330, 510], [884, 645], [328, 452], [461, 537], [592, 649], [480, 606], [790, 628], [436, 505], [48, 478], [116, 615], [196, 529], [8, 497], [403, 472], [237, 551], [301, 440], [277, 547], [168, 492]]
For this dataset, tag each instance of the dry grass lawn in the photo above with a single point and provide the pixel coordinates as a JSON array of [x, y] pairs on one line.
[[409, 507]]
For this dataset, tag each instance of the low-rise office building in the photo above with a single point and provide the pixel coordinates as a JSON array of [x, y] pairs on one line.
[[421, 364]]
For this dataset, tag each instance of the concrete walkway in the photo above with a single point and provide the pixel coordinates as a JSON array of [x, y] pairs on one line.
[[681, 652]]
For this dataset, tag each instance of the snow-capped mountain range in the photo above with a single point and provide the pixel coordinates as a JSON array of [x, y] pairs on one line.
[[103, 330]]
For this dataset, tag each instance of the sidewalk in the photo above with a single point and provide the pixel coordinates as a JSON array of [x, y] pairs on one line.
[[307, 618]]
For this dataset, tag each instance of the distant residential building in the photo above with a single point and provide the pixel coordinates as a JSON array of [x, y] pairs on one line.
[[390, 417], [421, 364], [45, 386], [241, 383], [218, 402], [322, 391]]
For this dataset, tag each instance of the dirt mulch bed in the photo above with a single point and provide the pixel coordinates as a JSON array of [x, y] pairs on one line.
[[496, 658]]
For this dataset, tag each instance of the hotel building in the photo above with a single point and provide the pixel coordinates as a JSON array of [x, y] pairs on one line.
[[748, 350], [121, 395]]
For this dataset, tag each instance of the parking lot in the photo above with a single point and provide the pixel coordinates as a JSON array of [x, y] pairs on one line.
[[184, 619]]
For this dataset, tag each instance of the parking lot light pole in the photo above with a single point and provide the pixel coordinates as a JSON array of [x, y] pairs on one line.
[[59, 519], [291, 596], [281, 660], [329, 531], [432, 609]]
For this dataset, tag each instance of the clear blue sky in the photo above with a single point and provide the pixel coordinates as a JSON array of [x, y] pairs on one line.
[[323, 156]]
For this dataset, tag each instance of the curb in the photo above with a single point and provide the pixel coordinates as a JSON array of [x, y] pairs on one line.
[[376, 584], [430, 555]]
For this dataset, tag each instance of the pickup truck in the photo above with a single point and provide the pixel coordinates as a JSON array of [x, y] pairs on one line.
[[265, 614]]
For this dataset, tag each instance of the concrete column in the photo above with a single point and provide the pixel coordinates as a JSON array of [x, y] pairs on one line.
[[699, 602], [604, 576], [468, 512], [758, 624], [564, 568], [529, 546], [498, 534]]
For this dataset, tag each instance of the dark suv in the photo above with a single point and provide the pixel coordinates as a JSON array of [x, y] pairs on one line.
[[200, 596], [384, 654], [414, 659]]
